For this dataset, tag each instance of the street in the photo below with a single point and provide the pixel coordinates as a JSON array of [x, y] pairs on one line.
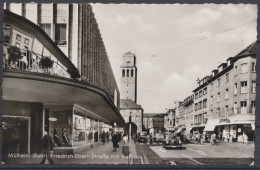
[[196, 154], [140, 153]]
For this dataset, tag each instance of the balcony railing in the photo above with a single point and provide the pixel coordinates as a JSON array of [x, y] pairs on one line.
[[30, 62]]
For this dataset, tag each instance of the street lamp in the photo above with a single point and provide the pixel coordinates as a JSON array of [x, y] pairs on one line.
[[130, 120]]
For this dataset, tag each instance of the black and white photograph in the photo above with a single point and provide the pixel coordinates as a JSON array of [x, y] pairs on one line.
[[129, 84]]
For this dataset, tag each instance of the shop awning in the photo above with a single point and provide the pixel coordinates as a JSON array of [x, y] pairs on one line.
[[181, 130], [209, 128], [211, 124], [188, 129], [47, 89]]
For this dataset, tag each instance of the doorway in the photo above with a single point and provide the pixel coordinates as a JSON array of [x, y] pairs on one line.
[[16, 134]]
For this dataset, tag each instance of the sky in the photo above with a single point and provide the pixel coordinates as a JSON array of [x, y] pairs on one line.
[[174, 44]]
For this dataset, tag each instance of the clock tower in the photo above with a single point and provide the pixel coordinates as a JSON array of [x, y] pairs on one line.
[[129, 77]]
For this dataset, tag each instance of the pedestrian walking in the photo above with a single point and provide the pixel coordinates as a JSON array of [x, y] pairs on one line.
[[213, 139], [47, 147], [233, 137], [201, 139], [125, 139], [151, 138], [107, 136], [103, 138], [114, 141]]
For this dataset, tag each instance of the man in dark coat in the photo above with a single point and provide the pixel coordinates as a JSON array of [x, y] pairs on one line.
[[115, 141], [47, 147], [103, 136]]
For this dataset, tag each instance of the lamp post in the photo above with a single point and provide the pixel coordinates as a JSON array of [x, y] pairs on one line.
[[130, 120]]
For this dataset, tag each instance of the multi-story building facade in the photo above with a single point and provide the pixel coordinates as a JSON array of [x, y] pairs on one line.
[[188, 105], [131, 110], [75, 31], [154, 122], [223, 102], [169, 120], [60, 96], [178, 113], [232, 96], [201, 103]]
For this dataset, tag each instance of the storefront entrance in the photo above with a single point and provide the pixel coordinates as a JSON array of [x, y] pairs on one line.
[[16, 134]]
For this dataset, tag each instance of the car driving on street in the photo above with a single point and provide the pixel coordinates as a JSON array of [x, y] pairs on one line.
[[143, 137], [171, 142]]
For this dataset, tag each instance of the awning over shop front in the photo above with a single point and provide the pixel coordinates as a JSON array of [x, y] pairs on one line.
[[52, 90], [181, 129], [197, 127], [188, 129], [211, 124]]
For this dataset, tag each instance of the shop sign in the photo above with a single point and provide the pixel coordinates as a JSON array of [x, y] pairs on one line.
[[226, 120], [247, 125]]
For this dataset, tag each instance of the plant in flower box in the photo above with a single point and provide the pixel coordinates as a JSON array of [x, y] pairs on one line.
[[15, 54], [46, 63]]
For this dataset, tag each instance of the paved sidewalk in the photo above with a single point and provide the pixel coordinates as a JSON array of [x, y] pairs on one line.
[[101, 154]]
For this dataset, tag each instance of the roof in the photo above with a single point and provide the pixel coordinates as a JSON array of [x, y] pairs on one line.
[[129, 104], [251, 49], [153, 114], [129, 53]]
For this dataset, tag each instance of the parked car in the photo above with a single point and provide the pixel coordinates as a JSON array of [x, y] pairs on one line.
[[143, 137], [171, 142], [159, 137]]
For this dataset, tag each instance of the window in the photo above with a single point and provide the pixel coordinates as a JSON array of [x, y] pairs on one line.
[[132, 73], [196, 95], [196, 107], [205, 118], [211, 99], [204, 103], [253, 86], [204, 91], [47, 29], [235, 107], [253, 107], [227, 78], [244, 87], [226, 94], [200, 93], [218, 111], [211, 86], [123, 73], [18, 37], [244, 68], [235, 88], [17, 44], [236, 70], [127, 73], [218, 99], [60, 34], [226, 111], [218, 82], [243, 105], [26, 41], [253, 67]]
